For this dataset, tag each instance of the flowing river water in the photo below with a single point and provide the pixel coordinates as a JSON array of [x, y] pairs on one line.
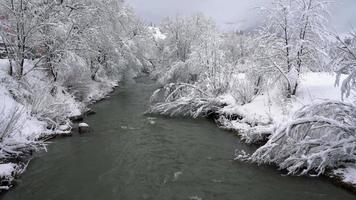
[[129, 156]]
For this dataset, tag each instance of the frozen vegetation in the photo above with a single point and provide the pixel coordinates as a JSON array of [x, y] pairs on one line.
[[288, 85]]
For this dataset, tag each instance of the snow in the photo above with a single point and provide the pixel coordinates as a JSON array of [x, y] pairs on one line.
[[348, 174], [4, 63], [83, 125], [7, 169], [319, 86], [31, 127], [157, 34], [313, 86]]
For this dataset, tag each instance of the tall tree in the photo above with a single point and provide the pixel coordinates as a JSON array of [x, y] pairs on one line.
[[293, 39]]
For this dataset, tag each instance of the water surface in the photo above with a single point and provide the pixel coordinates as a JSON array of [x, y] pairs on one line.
[[131, 156]]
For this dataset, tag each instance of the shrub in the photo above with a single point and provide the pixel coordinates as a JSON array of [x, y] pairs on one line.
[[320, 136], [243, 91]]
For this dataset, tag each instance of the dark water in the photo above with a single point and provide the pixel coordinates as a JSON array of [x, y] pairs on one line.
[[130, 156]]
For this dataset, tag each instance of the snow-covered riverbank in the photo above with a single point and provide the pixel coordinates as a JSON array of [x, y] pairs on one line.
[[31, 112], [258, 120], [310, 133]]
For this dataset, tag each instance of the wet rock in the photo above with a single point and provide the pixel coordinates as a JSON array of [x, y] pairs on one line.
[[83, 128]]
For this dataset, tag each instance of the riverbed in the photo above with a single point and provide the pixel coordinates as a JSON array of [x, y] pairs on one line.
[[128, 155]]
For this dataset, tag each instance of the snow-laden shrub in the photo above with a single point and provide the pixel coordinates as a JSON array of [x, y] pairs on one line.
[[179, 72], [11, 142], [10, 122], [195, 94], [243, 91], [183, 99], [216, 83], [320, 136], [53, 108]]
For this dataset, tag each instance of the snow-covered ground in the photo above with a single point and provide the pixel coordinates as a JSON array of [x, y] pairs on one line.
[[347, 174], [31, 127], [270, 106], [156, 32], [7, 172]]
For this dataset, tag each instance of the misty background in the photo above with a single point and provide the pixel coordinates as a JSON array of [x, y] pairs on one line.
[[233, 14]]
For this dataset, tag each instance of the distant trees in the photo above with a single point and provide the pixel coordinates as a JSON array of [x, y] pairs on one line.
[[293, 39], [183, 32], [193, 68], [184, 35], [238, 47]]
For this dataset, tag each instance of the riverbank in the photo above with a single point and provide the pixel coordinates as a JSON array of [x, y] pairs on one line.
[[34, 110], [129, 155], [257, 121], [289, 131]]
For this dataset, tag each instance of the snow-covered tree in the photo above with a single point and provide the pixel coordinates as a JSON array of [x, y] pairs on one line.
[[30, 32], [197, 70], [346, 59], [238, 47], [292, 39], [183, 33]]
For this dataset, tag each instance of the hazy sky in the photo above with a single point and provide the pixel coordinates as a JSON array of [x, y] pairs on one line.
[[231, 13]]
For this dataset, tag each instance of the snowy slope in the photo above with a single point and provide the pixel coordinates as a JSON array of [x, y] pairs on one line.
[[30, 126]]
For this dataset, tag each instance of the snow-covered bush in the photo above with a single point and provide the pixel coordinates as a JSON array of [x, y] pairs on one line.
[[216, 83], [182, 58], [183, 99], [194, 71], [11, 142], [243, 91], [320, 136], [179, 72], [10, 122], [53, 108], [75, 76]]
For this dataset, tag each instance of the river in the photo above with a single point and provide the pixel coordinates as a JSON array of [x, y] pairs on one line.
[[128, 155]]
